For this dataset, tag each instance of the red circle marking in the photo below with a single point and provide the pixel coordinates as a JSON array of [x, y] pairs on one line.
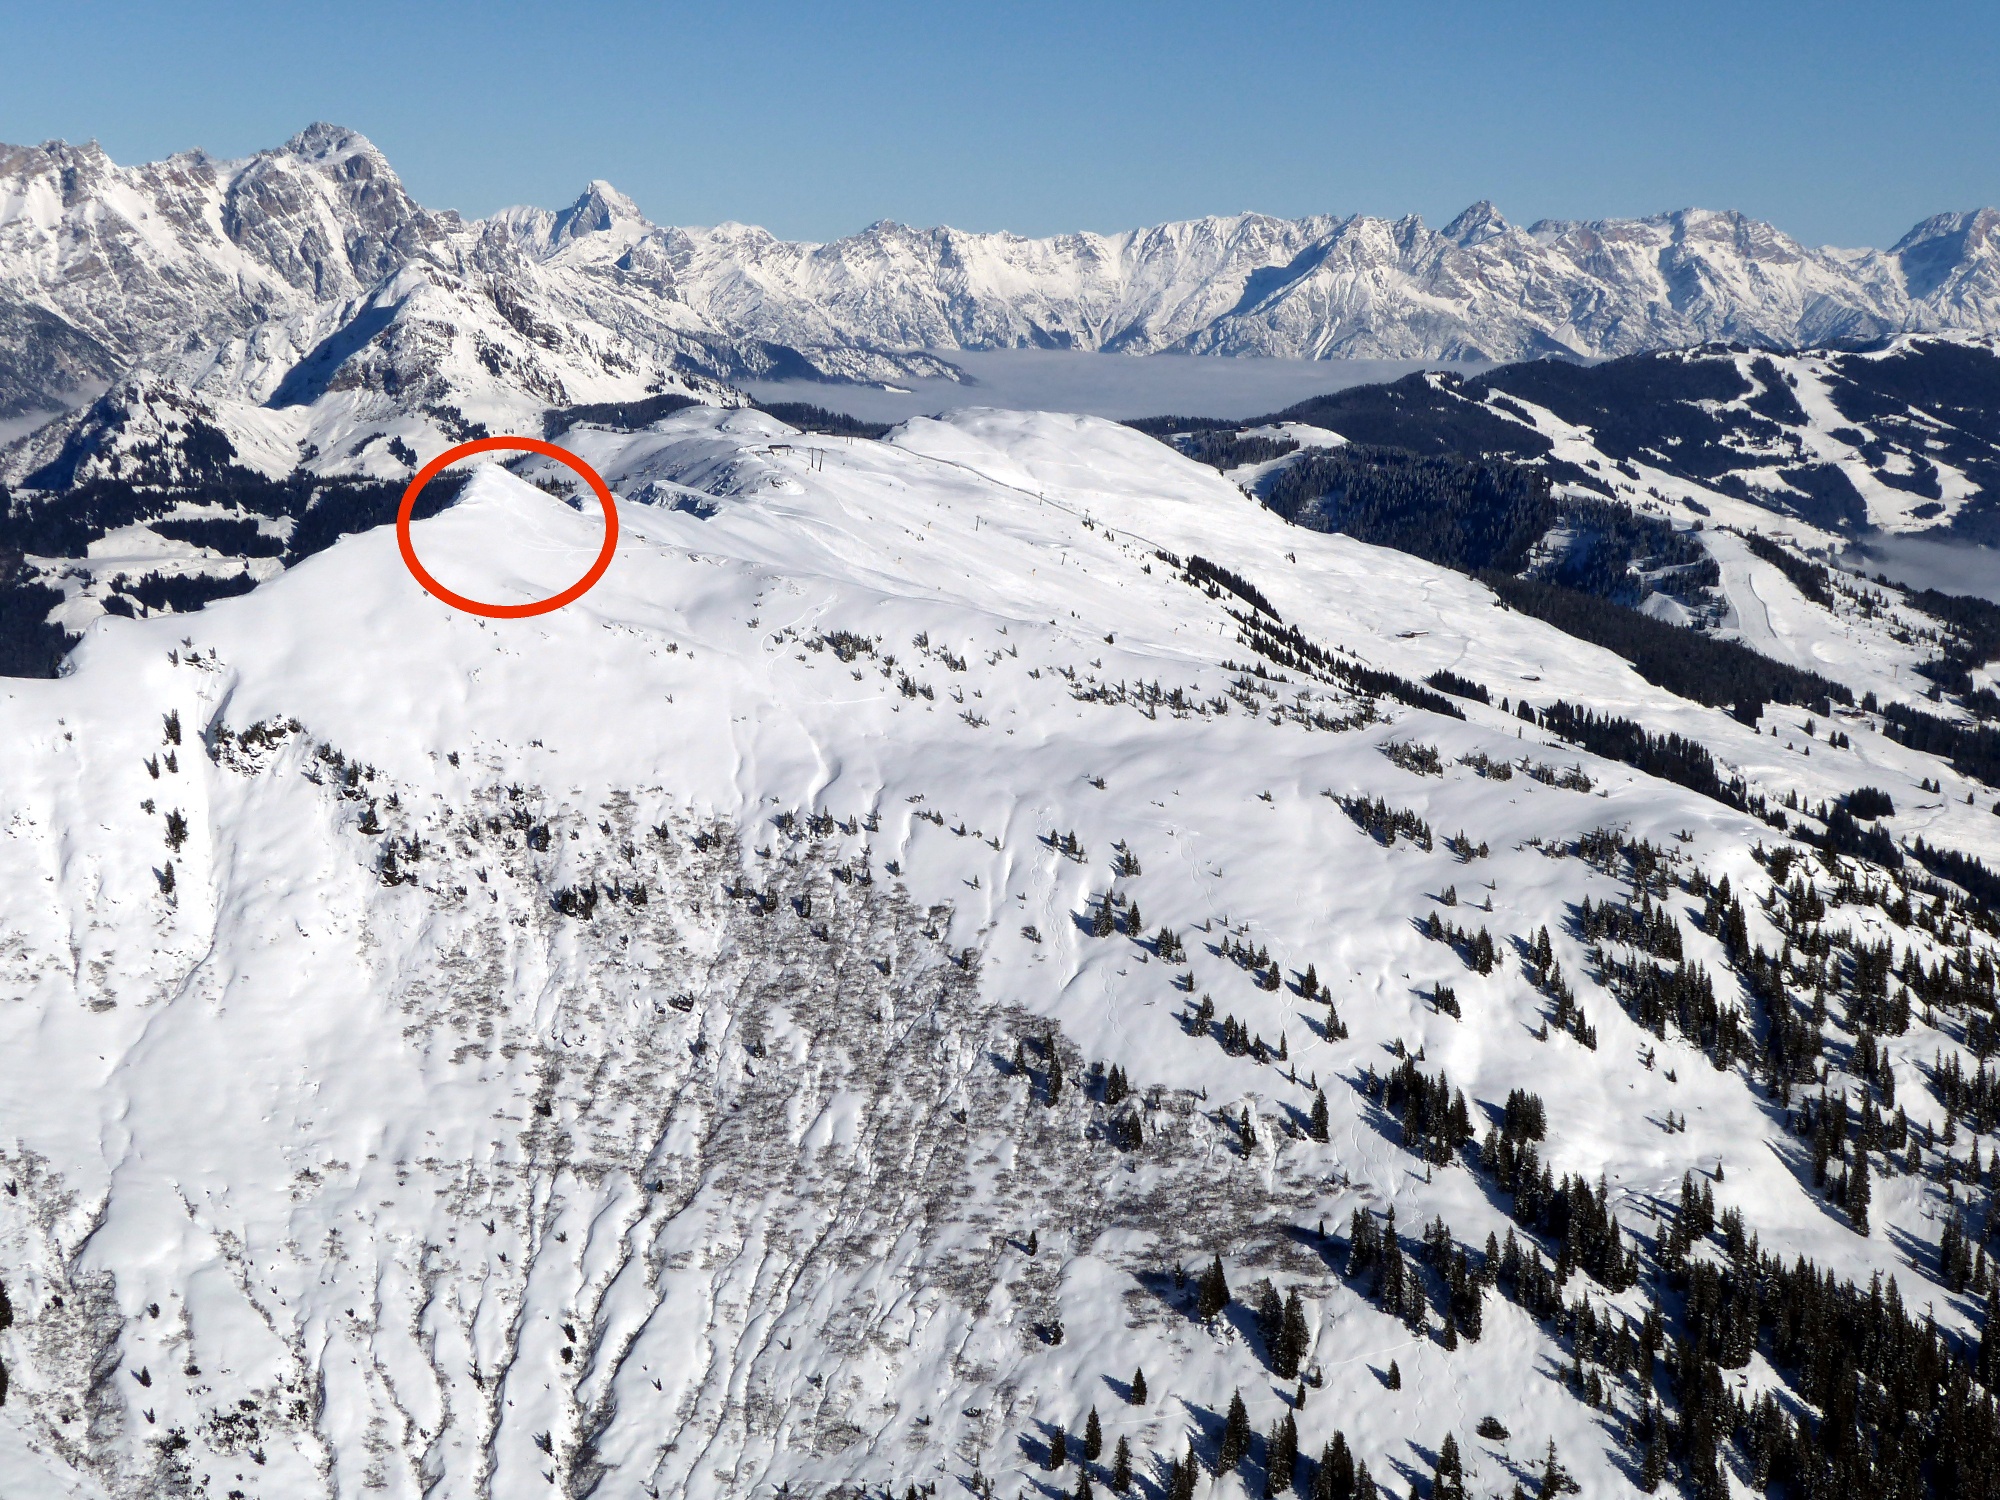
[[569, 595]]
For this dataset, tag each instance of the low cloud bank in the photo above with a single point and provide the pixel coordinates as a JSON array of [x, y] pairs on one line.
[[1954, 567], [1106, 385]]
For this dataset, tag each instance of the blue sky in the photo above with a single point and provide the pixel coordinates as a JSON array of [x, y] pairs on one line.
[[1843, 124]]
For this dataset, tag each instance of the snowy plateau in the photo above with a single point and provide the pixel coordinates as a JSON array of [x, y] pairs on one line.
[[950, 926]]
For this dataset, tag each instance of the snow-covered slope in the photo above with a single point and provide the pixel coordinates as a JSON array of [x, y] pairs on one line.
[[1813, 444], [610, 1052]]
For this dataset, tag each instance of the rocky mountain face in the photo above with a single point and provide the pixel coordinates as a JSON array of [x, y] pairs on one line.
[[175, 256], [306, 306]]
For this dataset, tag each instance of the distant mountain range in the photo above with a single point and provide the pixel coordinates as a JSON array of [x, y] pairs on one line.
[[1325, 287], [305, 282]]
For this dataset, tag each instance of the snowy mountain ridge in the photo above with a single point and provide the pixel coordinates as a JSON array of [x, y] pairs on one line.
[[259, 280], [1358, 287], [811, 1017]]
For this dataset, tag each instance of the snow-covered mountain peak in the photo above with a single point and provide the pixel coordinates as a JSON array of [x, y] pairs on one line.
[[600, 212], [323, 142], [1481, 222], [504, 541], [1948, 250]]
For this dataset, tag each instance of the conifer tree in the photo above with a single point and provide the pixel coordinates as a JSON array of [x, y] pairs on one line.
[[1213, 1294], [1138, 1396], [1395, 1378], [1281, 1455], [1551, 1486], [1364, 1482], [1859, 1192], [1055, 1069], [1103, 923], [1121, 1466], [1270, 1319], [1334, 1478], [1235, 1445], [1319, 1119], [1093, 1437], [1058, 1450], [1082, 1490], [1448, 1475], [1989, 1341], [1180, 1479], [1290, 1347], [1654, 1467]]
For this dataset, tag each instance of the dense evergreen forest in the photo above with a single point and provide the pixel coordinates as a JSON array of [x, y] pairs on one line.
[[626, 416], [809, 418], [1447, 510], [1672, 757], [1973, 750], [1974, 640], [1493, 513], [630, 416], [1614, 553], [1423, 413], [1588, 562], [1228, 450], [1721, 674], [324, 511], [1695, 413], [1809, 578], [29, 645]]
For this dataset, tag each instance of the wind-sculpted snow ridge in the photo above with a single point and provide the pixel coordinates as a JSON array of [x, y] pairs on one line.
[[811, 1017]]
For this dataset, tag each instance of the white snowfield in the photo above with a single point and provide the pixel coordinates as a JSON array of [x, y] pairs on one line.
[[451, 1129]]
